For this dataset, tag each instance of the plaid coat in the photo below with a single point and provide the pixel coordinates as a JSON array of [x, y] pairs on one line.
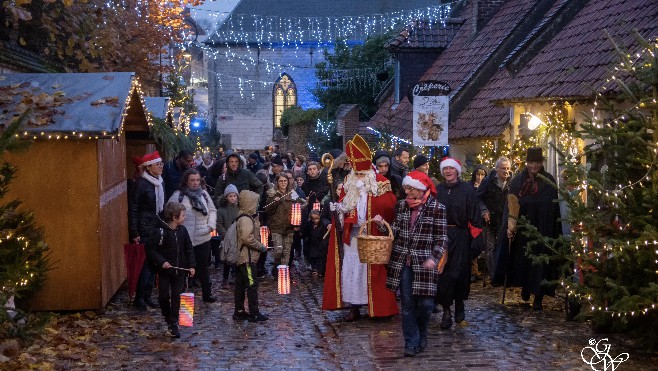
[[428, 238]]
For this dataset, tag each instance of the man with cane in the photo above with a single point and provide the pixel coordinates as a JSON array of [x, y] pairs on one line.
[[170, 254], [492, 193], [532, 196]]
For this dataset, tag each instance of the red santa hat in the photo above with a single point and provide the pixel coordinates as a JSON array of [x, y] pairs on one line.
[[449, 161], [419, 180], [151, 158]]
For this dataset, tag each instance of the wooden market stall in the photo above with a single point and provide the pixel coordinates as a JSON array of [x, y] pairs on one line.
[[73, 177]]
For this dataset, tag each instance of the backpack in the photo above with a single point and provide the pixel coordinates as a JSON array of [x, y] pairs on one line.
[[229, 251]]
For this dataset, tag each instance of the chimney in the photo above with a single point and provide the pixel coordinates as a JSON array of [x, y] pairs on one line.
[[482, 12]]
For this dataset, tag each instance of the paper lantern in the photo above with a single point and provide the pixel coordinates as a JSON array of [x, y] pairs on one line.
[[296, 214], [186, 312], [316, 206], [284, 279], [264, 235]]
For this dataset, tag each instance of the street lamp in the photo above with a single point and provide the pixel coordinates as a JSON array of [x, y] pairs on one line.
[[528, 123]]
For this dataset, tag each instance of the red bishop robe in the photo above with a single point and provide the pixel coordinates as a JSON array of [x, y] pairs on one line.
[[381, 301]]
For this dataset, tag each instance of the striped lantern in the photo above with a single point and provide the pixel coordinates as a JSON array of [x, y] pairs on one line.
[[296, 214], [284, 279], [264, 235], [186, 312]]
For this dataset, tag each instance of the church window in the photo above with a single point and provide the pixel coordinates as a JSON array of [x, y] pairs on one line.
[[285, 95]]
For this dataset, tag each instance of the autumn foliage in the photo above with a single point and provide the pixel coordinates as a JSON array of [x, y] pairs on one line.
[[98, 35]]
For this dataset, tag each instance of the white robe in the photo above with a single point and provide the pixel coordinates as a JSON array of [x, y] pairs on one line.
[[354, 274]]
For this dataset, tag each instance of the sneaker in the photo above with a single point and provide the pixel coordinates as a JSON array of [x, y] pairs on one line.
[[258, 317], [241, 315], [173, 331], [410, 352], [225, 285]]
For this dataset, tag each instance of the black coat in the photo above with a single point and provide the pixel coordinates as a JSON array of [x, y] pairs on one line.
[[462, 208], [542, 212], [142, 217], [314, 243], [315, 189], [494, 198], [170, 245]]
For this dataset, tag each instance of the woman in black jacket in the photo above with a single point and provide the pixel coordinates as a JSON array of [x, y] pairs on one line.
[[146, 203]]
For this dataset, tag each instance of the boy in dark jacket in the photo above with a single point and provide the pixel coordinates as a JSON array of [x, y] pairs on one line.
[[315, 243], [171, 247]]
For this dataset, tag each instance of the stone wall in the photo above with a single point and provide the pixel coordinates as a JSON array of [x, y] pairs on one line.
[[240, 91]]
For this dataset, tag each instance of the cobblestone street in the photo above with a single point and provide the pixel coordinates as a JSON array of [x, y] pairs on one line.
[[301, 336]]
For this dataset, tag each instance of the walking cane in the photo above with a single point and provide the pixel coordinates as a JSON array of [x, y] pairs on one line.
[[486, 256], [509, 252]]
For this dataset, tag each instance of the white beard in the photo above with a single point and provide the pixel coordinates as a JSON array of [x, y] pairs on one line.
[[357, 189]]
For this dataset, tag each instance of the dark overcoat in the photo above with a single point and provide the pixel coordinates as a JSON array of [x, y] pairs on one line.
[[538, 206]]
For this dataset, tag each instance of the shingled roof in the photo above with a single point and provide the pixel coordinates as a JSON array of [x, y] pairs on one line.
[[426, 35], [457, 65], [570, 67]]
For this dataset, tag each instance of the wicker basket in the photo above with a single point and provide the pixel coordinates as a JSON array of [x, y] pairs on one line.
[[374, 249]]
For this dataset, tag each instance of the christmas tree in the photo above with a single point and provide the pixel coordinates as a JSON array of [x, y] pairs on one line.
[[23, 252], [611, 190]]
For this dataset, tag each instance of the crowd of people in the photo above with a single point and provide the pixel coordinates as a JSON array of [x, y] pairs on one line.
[[181, 210]]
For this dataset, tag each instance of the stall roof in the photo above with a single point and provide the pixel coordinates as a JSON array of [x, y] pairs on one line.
[[90, 103], [157, 106]]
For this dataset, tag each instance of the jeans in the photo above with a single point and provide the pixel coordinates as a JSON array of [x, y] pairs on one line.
[[145, 283], [202, 257], [416, 311], [169, 289], [245, 279], [282, 247]]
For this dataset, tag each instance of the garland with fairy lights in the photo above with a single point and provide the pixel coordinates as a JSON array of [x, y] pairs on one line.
[[611, 254]]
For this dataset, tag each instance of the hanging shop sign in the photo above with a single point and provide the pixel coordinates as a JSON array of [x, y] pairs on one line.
[[431, 113]]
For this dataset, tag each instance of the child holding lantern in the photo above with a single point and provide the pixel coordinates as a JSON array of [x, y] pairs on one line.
[[169, 249], [316, 243], [284, 213]]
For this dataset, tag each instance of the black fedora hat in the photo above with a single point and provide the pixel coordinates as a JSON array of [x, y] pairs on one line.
[[534, 154]]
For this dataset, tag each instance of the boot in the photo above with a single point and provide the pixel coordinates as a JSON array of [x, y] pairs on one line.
[[446, 321], [525, 294], [353, 315], [459, 311], [151, 303], [537, 302]]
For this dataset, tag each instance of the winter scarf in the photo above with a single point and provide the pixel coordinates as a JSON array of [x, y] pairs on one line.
[[398, 167], [195, 200], [159, 190]]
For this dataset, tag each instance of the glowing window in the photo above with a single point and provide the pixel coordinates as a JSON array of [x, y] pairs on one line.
[[284, 96]]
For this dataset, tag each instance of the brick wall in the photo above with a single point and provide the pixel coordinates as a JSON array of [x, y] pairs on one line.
[[347, 121]]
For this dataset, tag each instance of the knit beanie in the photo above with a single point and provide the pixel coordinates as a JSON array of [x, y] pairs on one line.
[[230, 189], [420, 160]]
